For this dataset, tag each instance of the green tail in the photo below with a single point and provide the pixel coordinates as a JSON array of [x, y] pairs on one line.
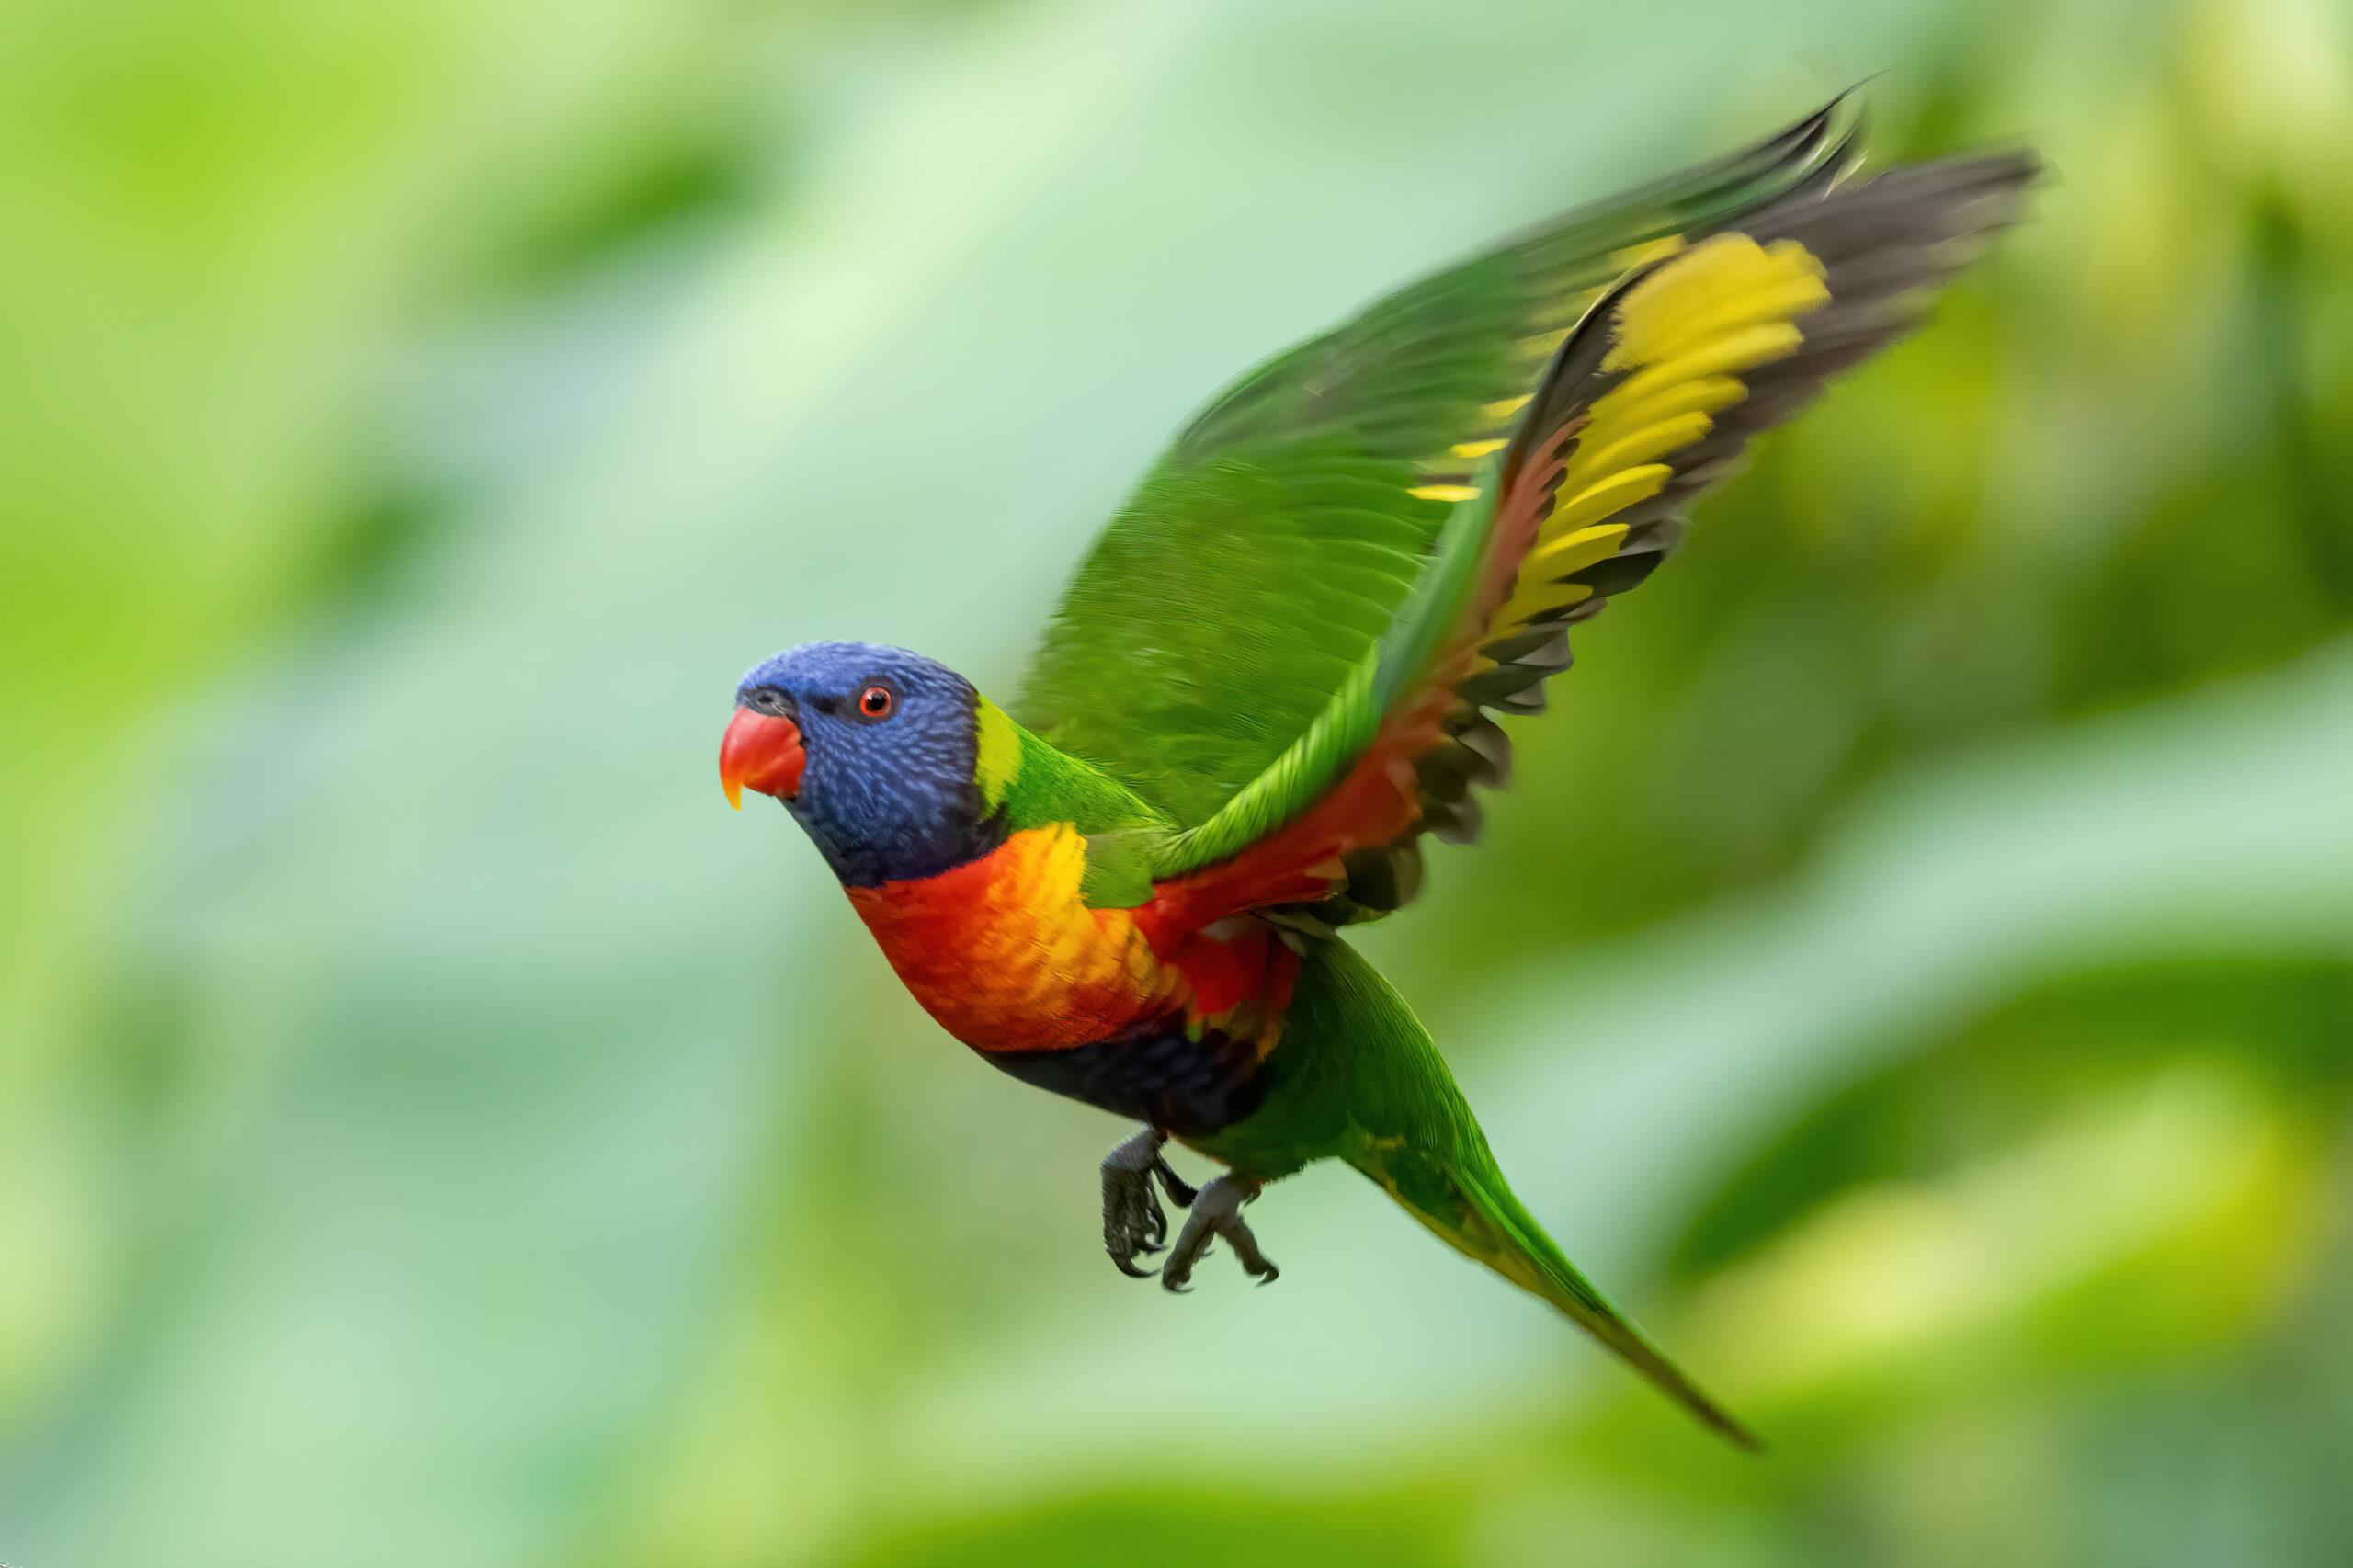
[[1357, 1078], [1467, 1203]]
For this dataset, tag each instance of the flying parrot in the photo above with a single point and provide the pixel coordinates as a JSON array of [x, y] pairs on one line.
[[1282, 665]]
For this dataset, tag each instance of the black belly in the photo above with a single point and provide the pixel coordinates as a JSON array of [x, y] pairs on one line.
[[1191, 1087]]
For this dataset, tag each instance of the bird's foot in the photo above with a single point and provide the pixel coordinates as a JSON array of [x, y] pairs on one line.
[[1133, 1221], [1217, 1212]]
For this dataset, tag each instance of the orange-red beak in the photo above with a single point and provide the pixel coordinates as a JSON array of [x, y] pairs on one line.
[[762, 751]]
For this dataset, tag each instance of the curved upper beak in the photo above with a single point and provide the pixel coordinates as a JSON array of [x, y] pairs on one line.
[[762, 751]]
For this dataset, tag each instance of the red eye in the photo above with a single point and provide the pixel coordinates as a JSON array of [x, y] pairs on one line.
[[877, 702]]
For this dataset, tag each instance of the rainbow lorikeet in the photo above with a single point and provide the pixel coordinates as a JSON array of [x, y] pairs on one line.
[[1282, 663]]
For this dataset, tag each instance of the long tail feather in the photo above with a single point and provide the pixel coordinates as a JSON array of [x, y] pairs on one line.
[[1468, 1205]]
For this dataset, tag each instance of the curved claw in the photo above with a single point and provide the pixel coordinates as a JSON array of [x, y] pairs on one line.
[[1217, 1216], [1135, 1225], [1133, 1221], [1178, 1280]]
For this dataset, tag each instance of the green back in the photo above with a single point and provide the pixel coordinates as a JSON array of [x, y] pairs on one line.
[[1036, 784], [1259, 563]]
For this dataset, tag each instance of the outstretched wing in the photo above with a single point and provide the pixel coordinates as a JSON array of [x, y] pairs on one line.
[[1270, 550], [1668, 378]]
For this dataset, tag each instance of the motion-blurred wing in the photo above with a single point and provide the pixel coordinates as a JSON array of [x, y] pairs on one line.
[[1651, 397], [1270, 550]]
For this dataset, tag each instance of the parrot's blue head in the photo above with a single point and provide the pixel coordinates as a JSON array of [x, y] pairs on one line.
[[874, 750]]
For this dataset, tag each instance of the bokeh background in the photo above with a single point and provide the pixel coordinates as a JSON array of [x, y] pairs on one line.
[[1914, 970]]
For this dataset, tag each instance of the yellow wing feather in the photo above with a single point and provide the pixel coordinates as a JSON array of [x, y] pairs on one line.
[[1683, 339]]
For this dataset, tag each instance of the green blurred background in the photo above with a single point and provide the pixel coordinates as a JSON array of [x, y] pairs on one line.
[[1914, 970]]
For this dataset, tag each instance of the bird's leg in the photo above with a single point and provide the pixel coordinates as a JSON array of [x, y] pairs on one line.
[[1217, 1211], [1134, 1221]]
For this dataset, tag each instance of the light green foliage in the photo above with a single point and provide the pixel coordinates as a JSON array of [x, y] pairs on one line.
[[1909, 968]]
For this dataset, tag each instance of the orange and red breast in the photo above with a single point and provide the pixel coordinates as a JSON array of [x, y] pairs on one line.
[[1006, 955]]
